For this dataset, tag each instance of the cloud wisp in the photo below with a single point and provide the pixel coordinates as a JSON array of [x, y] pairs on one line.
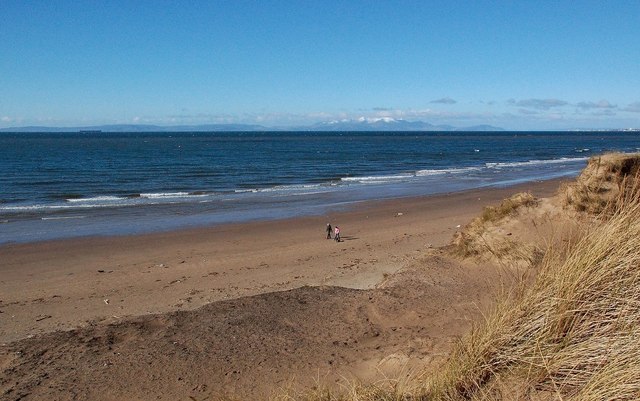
[[602, 104], [633, 107], [539, 104], [444, 100]]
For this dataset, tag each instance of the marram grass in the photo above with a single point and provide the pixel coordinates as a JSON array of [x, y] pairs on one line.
[[574, 334]]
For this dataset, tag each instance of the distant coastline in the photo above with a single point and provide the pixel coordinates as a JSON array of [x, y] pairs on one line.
[[366, 125], [371, 125]]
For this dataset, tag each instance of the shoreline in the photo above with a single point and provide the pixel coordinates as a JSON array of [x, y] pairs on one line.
[[104, 221], [63, 284], [342, 207]]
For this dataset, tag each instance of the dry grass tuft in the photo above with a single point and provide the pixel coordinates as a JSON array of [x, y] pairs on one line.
[[508, 207], [473, 241], [409, 387], [573, 335], [602, 182]]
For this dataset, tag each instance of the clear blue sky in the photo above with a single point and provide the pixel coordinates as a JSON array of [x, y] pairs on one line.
[[514, 64]]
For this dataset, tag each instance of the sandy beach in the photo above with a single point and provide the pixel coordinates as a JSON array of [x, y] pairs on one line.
[[250, 304]]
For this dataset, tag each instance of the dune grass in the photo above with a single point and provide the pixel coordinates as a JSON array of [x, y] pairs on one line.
[[409, 388], [507, 207], [603, 180], [570, 333], [471, 240], [573, 335]]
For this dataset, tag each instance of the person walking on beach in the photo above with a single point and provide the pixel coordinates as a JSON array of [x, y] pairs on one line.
[[337, 234], [329, 229]]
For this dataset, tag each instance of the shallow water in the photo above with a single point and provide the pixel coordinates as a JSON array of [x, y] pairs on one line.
[[76, 184]]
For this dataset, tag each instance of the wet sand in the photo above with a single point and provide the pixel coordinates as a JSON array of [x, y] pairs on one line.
[[60, 285]]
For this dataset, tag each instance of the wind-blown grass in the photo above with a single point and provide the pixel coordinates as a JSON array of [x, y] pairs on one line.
[[573, 335], [570, 333], [471, 242], [604, 179]]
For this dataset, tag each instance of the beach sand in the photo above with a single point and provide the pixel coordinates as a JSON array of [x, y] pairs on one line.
[[241, 309]]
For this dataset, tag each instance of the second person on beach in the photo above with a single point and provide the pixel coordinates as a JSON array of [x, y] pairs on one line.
[[337, 234]]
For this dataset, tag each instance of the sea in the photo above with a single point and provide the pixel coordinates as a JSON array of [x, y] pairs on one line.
[[64, 185]]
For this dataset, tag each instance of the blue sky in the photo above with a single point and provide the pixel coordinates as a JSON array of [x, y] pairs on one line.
[[513, 64]]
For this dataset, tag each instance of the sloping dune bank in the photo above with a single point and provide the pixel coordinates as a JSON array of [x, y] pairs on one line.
[[243, 311]]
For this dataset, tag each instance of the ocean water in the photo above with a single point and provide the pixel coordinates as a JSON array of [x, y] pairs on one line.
[[60, 185]]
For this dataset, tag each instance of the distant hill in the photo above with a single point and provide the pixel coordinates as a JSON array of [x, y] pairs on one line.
[[361, 124], [482, 127], [143, 128], [391, 124], [375, 124]]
